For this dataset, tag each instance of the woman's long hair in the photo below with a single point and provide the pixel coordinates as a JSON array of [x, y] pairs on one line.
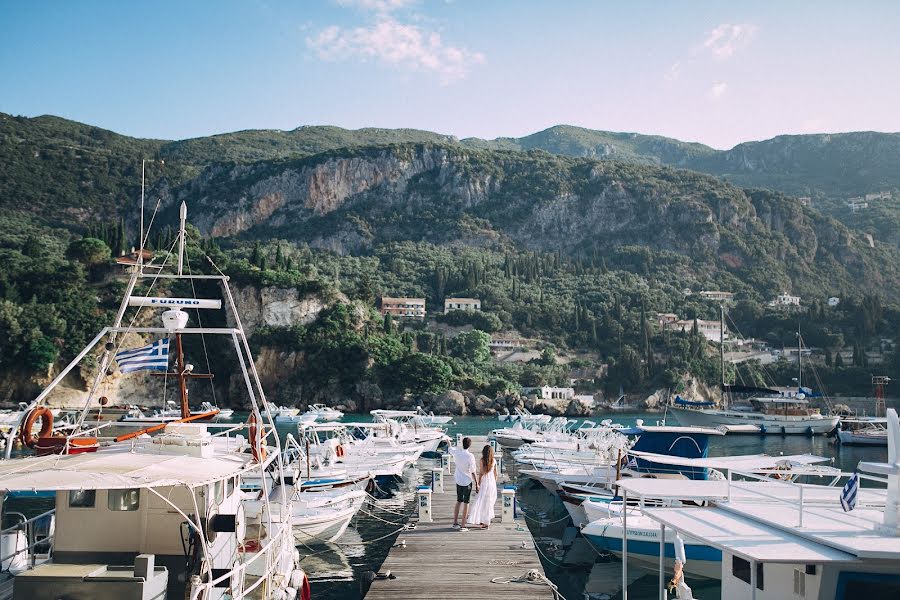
[[487, 459]]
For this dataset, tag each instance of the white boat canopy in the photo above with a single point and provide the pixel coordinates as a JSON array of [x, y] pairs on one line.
[[118, 470], [745, 537], [746, 463]]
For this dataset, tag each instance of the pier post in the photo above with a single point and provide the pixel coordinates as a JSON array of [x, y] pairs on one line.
[[508, 510], [437, 481], [459, 438], [493, 444], [445, 462], [423, 499]]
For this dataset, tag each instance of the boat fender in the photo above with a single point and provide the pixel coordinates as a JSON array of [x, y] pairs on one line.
[[679, 549], [339, 451], [256, 445], [40, 412], [300, 583]]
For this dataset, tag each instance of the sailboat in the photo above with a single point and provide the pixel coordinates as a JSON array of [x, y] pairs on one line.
[[769, 411], [153, 516]]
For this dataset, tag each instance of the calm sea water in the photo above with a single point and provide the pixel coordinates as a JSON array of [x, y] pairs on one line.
[[338, 571]]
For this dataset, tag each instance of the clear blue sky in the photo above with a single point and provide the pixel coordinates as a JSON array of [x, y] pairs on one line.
[[715, 72]]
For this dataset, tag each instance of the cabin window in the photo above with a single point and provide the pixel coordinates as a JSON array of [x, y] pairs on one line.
[[799, 583], [124, 500], [82, 498], [219, 491], [740, 568], [232, 483]]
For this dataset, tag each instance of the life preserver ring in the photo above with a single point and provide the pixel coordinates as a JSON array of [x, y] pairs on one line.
[[339, 451], [256, 445], [25, 431], [305, 590]]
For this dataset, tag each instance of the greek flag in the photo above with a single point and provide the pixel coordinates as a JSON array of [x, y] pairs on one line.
[[154, 357], [849, 493]]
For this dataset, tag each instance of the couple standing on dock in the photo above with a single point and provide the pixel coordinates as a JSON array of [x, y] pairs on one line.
[[483, 476]]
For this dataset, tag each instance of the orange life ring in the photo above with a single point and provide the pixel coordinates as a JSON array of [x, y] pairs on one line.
[[26, 436], [339, 451], [256, 445]]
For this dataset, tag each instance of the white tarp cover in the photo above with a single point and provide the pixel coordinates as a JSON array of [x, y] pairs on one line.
[[116, 470]]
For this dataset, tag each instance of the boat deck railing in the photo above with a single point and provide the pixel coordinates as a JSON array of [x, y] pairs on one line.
[[35, 536], [798, 501]]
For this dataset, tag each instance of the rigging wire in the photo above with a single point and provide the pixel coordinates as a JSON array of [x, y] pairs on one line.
[[212, 386]]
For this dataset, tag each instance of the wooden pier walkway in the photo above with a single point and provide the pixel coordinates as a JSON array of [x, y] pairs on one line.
[[439, 562]]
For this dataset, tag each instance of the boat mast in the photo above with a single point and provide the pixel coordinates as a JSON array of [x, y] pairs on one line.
[[799, 358], [722, 349], [183, 370]]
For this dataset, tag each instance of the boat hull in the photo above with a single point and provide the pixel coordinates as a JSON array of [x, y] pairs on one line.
[[643, 548], [853, 438], [766, 424]]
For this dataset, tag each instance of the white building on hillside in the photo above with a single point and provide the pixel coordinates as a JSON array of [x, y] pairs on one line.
[[549, 393], [785, 299], [718, 296], [711, 330], [461, 304]]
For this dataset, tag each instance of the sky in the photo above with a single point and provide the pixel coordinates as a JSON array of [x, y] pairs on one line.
[[715, 72]]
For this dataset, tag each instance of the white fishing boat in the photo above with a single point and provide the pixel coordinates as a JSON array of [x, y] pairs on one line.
[[141, 516], [796, 540], [332, 445], [863, 432], [404, 429], [324, 413]]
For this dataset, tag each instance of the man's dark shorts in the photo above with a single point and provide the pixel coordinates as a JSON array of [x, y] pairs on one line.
[[463, 493]]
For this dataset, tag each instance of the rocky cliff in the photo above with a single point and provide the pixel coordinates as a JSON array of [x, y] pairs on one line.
[[349, 201]]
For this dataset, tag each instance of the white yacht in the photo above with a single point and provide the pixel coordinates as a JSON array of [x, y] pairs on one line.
[[141, 516], [794, 540]]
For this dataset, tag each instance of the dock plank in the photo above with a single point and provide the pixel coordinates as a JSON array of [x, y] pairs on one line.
[[440, 562]]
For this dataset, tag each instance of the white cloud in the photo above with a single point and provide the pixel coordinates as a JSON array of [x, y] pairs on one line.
[[379, 6], [395, 44], [717, 90], [674, 72], [725, 39]]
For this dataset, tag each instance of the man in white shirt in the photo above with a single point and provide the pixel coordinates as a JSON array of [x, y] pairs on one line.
[[464, 475]]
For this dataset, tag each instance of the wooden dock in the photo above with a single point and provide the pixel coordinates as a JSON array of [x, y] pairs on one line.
[[440, 562]]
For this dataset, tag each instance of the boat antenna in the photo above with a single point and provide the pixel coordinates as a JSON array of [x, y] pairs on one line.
[[141, 240], [182, 214]]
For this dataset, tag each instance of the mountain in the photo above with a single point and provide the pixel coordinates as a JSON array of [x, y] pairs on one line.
[[352, 200]]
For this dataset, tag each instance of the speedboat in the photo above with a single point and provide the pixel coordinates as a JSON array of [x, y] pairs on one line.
[[324, 413]]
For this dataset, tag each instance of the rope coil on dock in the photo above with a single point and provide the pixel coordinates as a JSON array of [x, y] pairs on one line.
[[532, 577]]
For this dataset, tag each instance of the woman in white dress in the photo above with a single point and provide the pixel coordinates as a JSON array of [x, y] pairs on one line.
[[481, 510]]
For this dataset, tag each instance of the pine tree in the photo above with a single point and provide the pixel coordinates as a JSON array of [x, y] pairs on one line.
[[388, 324], [256, 257]]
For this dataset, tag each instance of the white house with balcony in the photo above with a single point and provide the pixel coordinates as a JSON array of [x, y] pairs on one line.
[[461, 304]]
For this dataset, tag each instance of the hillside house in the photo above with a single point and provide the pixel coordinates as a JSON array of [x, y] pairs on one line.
[[509, 343], [665, 320], [549, 393], [711, 330], [785, 299], [461, 304], [130, 261], [404, 308], [718, 296]]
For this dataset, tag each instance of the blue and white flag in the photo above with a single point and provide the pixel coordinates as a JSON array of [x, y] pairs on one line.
[[850, 492], [154, 357]]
